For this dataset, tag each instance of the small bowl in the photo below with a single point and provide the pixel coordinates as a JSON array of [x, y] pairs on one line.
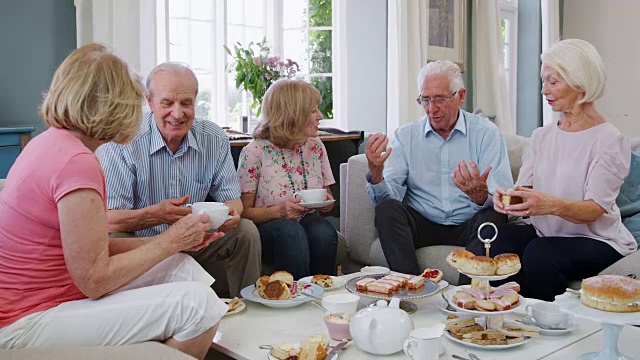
[[341, 303], [372, 270], [338, 326]]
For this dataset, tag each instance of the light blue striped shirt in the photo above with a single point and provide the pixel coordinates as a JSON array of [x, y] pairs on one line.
[[145, 172], [418, 171]]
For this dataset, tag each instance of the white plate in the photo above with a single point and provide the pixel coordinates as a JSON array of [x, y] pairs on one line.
[[374, 270], [484, 347], [552, 332], [250, 294], [335, 357], [316, 205], [338, 282], [453, 291], [442, 284], [488, 277], [571, 303], [239, 309]]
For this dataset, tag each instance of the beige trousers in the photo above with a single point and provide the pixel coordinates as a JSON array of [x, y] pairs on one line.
[[235, 257]]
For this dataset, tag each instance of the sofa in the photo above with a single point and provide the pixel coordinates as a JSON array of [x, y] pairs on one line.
[[357, 221]]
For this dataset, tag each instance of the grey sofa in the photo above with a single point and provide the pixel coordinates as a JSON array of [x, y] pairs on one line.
[[357, 221]]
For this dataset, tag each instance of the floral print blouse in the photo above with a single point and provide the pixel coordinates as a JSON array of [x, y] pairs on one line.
[[261, 170]]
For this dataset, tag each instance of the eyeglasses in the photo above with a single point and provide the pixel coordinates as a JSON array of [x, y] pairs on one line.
[[438, 101]]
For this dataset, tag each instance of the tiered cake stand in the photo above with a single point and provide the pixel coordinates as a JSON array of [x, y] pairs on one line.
[[612, 323], [485, 287]]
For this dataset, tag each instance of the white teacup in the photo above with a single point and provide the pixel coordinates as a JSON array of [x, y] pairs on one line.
[[424, 343], [312, 196], [341, 303], [547, 314], [373, 270], [218, 212]]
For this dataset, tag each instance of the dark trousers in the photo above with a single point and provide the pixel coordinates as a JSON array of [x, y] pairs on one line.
[[303, 248], [549, 263], [402, 230]]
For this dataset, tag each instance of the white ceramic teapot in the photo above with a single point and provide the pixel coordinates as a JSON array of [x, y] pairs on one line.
[[381, 329]]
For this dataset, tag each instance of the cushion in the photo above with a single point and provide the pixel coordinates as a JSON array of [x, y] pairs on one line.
[[629, 198]]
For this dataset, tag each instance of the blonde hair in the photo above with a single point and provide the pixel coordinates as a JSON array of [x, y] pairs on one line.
[[579, 63], [286, 108], [96, 94]]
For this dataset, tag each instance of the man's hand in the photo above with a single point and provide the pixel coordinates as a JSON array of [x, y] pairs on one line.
[[189, 232], [471, 182], [375, 158], [291, 209], [231, 223], [171, 210]]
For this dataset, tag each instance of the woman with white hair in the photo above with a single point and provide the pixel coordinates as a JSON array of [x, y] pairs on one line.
[[570, 177]]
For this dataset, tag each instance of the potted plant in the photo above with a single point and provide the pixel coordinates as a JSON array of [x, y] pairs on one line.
[[256, 69]]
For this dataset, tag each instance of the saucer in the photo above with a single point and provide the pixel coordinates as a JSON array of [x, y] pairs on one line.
[[552, 331], [315, 205]]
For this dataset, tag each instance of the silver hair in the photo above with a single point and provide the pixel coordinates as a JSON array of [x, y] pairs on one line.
[[445, 67], [579, 63], [174, 67]]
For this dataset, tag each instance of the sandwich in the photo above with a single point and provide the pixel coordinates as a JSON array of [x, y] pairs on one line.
[[520, 328]]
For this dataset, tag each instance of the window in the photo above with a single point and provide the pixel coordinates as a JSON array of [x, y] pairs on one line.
[[509, 22], [194, 31]]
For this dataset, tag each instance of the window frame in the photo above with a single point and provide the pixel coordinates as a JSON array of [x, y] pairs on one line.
[[509, 12], [273, 29]]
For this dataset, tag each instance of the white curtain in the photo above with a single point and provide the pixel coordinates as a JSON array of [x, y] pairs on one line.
[[490, 92], [118, 24], [408, 39], [550, 10]]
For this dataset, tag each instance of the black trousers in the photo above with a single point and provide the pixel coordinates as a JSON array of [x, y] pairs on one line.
[[402, 230], [550, 263]]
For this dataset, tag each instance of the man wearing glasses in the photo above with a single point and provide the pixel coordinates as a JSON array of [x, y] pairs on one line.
[[436, 186]]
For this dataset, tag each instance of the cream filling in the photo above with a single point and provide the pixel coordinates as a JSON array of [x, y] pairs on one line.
[[635, 303]]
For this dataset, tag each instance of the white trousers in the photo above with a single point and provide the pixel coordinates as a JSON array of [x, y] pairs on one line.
[[171, 300]]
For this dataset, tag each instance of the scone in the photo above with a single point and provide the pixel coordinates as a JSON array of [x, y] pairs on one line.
[[261, 283], [507, 264], [478, 265], [434, 275], [283, 351], [457, 256], [282, 275], [324, 281], [277, 290], [314, 348]]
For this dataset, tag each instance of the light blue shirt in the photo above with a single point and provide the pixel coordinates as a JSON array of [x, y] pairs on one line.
[[145, 172], [418, 171]]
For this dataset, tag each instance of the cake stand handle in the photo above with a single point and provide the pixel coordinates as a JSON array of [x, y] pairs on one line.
[[487, 242]]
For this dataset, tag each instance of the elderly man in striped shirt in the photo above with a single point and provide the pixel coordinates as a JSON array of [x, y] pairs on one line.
[[174, 160]]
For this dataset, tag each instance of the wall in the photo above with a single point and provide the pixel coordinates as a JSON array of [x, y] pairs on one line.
[[529, 107], [36, 36], [611, 26]]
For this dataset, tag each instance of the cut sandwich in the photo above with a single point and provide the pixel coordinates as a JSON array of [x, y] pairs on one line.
[[520, 328]]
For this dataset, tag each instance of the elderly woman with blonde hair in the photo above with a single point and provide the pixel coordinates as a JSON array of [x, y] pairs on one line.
[[570, 177], [286, 157], [64, 281]]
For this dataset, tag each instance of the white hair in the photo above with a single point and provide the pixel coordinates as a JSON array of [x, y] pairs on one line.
[[445, 67], [174, 67], [580, 65]]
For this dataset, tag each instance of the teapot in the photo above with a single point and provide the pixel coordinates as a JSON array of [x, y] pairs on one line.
[[381, 329]]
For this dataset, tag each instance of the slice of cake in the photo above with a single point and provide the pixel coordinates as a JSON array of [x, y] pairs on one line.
[[362, 283], [416, 282], [380, 287]]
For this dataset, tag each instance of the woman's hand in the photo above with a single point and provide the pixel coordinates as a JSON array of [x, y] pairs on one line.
[[497, 201], [329, 207], [291, 209], [189, 233], [534, 203]]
